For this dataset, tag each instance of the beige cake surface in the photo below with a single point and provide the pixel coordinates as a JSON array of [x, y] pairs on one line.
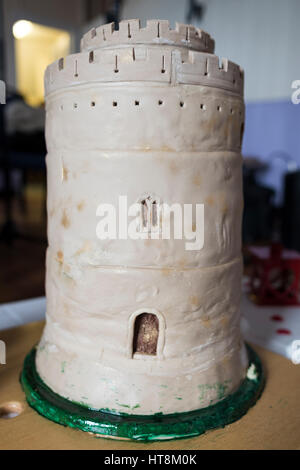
[[146, 113]]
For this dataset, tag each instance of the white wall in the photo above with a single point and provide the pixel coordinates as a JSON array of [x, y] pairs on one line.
[[263, 36]]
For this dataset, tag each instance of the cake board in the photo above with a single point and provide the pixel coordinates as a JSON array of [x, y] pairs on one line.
[[158, 427], [271, 424]]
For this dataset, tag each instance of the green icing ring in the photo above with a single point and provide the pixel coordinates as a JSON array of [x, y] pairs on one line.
[[156, 427]]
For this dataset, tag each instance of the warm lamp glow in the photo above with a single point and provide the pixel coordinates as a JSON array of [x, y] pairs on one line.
[[22, 28], [36, 46]]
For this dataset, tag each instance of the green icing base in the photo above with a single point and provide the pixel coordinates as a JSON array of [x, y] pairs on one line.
[[142, 428]]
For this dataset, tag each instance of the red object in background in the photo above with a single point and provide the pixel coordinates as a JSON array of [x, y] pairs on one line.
[[276, 318], [275, 278], [283, 331]]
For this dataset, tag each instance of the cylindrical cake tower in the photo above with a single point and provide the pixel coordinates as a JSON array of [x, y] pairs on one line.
[[143, 326]]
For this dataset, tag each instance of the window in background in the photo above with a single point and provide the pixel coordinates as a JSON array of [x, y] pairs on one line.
[[36, 46]]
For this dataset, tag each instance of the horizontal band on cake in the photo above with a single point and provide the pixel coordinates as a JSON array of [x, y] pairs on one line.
[[182, 119], [205, 309]]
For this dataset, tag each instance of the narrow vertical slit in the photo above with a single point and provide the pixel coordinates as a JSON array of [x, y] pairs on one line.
[[163, 65], [187, 34], [116, 64], [76, 69], [206, 67], [154, 214], [144, 213]]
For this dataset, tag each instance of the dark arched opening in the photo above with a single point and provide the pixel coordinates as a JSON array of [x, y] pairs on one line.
[[145, 335]]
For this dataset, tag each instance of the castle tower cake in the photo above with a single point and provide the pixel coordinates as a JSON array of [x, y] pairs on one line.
[[143, 329]]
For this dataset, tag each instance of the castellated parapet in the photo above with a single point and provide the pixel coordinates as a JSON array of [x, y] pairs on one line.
[[156, 32], [119, 62]]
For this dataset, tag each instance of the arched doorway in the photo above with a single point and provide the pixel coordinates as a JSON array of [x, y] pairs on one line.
[[145, 335]]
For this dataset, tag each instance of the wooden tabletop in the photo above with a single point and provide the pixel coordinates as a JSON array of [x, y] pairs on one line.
[[273, 423]]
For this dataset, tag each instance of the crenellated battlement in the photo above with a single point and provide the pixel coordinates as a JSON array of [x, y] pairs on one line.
[[209, 70], [156, 32], [146, 64]]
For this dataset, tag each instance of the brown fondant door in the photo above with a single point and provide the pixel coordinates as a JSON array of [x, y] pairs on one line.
[[145, 334]]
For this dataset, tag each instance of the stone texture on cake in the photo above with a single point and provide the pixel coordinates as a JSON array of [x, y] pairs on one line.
[[143, 326]]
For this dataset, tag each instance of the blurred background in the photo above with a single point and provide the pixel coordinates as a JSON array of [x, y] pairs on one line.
[[262, 36]]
